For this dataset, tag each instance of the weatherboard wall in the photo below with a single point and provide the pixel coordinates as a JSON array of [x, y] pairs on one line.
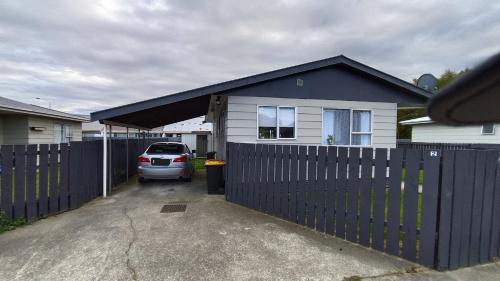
[[242, 119], [450, 134]]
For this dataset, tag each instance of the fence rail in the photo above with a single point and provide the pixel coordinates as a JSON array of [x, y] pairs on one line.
[[438, 209]]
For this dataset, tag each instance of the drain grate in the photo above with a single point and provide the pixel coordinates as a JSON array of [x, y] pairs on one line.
[[173, 208]]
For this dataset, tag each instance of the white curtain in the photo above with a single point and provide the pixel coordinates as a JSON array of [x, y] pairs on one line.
[[336, 126], [361, 121]]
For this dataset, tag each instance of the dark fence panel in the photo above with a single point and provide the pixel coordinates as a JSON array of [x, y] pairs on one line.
[[38, 180], [439, 208]]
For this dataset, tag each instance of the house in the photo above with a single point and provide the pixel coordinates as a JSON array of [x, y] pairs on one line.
[[425, 130], [95, 130], [195, 133], [22, 123], [335, 101]]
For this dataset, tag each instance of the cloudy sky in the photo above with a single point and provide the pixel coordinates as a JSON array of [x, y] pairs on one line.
[[82, 56]]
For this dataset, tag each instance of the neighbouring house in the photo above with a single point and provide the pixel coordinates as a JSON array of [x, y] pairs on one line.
[[95, 130], [335, 101], [22, 123], [426, 130], [195, 133]]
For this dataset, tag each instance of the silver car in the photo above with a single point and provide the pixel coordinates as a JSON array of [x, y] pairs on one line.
[[165, 160]]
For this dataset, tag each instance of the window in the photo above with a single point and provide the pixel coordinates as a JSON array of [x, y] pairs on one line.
[[488, 129], [62, 133], [276, 122], [361, 127], [347, 127], [164, 148]]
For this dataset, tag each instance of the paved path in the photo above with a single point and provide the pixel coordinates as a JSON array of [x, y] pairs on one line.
[[125, 237]]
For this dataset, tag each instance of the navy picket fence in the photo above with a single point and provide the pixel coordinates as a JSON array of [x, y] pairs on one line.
[[38, 180], [437, 208]]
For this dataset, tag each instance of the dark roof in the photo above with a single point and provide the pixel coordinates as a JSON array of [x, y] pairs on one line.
[[13, 106], [472, 98], [194, 103]]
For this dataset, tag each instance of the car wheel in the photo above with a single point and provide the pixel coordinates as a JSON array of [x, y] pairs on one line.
[[141, 180]]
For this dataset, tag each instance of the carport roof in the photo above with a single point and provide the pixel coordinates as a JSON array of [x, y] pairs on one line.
[[193, 103]]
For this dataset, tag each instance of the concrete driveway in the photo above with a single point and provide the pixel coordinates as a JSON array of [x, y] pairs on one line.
[[125, 237]]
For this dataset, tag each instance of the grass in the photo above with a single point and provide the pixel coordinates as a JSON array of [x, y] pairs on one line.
[[420, 176], [6, 225], [199, 163]]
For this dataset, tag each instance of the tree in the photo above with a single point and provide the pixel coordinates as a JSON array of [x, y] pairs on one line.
[[404, 131]]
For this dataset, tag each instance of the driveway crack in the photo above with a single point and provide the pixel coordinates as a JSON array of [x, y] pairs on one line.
[[130, 268]]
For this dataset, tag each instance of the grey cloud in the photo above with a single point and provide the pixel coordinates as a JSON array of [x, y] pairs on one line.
[[89, 55]]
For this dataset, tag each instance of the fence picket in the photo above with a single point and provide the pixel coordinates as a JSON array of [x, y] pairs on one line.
[[352, 194], [365, 196], [63, 186], [6, 184], [320, 189], [430, 196], [244, 173], [394, 201], [19, 178], [294, 169], [487, 204], [311, 182], [341, 193], [278, 181], [446, 208], [495, 226], [301, 194], [264, 180], [259, 172], [230, 169], [379, 185], [477, 205], [466, 208], [53, 188], [43, 195], [251, 176], [284, 193], [31, 207], [411, 204], [331, 189]]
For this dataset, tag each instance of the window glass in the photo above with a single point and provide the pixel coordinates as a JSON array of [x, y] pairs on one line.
[[287, 122], [361, 139], [488, 129], [361, 121], [166, 149], [336, 127], [267, 122]]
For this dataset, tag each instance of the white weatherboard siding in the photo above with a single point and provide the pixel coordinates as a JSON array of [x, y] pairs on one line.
[[47, 135], [190, 140], [242, 119], [449, 134]]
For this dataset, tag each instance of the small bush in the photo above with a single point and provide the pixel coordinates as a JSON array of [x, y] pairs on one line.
[[6, 225]]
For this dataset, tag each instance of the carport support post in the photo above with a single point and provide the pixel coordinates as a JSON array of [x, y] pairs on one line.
[[105, 162], [126, 154], [110, 157]]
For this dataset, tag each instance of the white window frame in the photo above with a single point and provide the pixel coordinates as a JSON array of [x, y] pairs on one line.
[[278, 122], [492, 133], [350, 126]]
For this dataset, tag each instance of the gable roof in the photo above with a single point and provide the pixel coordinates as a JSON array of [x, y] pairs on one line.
[[12, 106], [200, 97]]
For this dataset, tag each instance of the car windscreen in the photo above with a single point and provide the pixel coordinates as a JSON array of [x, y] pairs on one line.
[[165, 149]]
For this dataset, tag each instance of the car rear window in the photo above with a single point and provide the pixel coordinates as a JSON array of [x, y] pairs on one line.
[[165, 149]]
